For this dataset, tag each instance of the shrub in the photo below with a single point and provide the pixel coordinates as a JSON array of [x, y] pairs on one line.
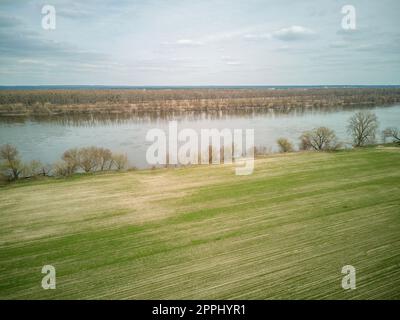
[[284, 145]]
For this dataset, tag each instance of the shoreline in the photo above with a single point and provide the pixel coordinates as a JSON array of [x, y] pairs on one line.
[[257, 157], [29, 103]]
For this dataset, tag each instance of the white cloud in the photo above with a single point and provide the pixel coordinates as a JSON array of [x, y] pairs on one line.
[[36, 62], [189, 42], [293, 33], [233, 63], [339, 44], [285, 34], [230, 61], [252, 36]]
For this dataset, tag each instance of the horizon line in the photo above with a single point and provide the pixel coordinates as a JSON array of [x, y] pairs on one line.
[[66, 86]]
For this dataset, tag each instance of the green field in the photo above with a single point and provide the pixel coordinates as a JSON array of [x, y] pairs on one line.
[[204, 233]]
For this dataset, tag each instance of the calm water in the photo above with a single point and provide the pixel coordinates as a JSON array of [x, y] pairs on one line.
[[47, 139]]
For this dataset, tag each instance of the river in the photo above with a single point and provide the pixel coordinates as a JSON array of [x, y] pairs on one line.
[[46, 139]]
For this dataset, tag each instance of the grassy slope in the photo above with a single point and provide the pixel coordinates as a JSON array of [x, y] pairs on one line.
[[283, 232]]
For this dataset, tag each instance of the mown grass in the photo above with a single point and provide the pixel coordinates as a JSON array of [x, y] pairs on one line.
[[195, 233]]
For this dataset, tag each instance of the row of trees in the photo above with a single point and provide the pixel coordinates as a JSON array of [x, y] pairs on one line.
[[318, 139], [362, 127], [88, 159], [110, 96], [101, 102]]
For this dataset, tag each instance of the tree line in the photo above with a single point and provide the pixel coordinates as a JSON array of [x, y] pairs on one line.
[[68, 102], [362, 128], [87, 159]]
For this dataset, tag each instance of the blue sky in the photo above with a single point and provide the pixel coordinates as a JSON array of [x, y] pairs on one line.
[[187, 42]]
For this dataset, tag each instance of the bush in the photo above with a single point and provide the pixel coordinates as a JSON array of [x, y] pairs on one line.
[[284, 145], [319, 139]]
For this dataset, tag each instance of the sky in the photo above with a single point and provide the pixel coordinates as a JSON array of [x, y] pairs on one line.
[[208, 42]]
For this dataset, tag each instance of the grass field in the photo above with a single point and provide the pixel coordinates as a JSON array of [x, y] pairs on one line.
[[204, 233]]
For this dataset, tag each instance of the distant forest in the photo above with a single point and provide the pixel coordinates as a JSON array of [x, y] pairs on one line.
[[125, 101]]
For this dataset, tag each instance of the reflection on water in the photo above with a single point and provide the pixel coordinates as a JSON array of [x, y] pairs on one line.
[[45, 138], [83, 119]]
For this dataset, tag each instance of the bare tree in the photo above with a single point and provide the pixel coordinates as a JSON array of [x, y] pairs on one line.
[[33, 169], [89, 159], [284, 145], [45, 170], [320, 139], [362, 127], [210, 154], [11, 163], [71, 158], [260, 150], [104, 158], [120, 161], [61, 169], [393, 133]]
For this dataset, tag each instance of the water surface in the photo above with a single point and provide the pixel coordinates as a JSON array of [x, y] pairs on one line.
[[46, 139]]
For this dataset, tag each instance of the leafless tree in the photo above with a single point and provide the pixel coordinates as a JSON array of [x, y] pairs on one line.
[[362, 127], [392, 133], [11, 164], [61, 169], [104, 158], [120, 161], [261, 150], [71, 158], [319, 139], [89, 159], [32, 169], [210, 154], [45, 170]]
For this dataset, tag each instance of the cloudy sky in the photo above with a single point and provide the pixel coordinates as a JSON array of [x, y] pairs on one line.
[[208, 42]]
